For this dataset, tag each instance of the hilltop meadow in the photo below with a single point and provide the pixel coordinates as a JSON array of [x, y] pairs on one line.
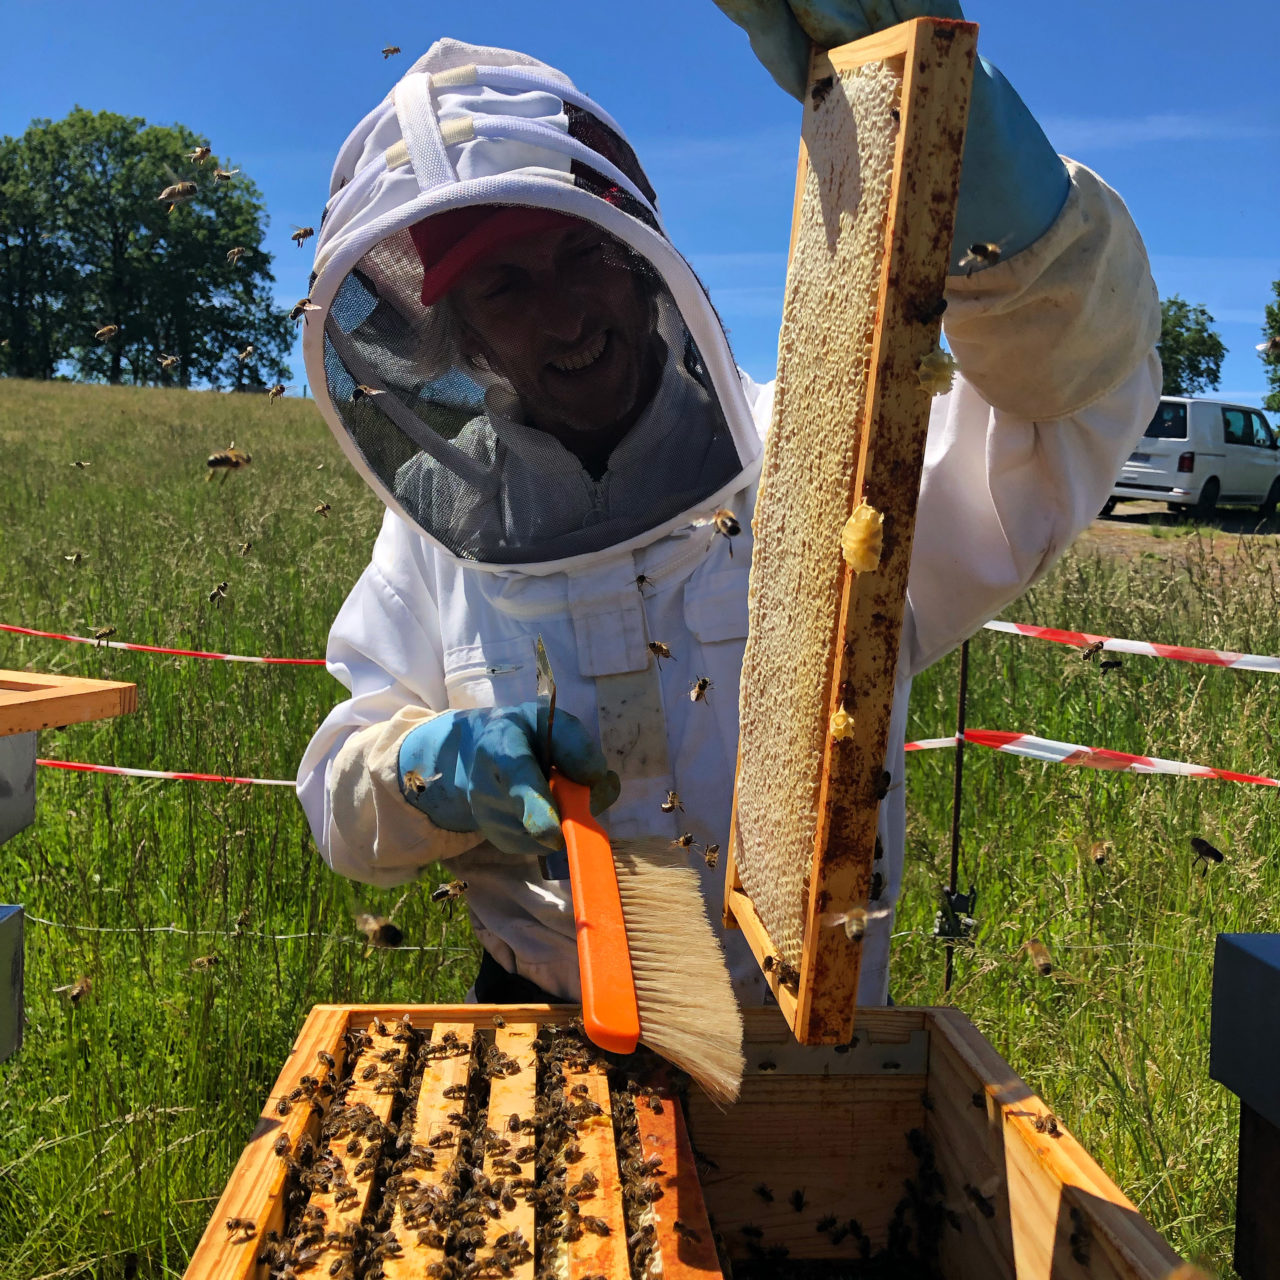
[[207, 924]]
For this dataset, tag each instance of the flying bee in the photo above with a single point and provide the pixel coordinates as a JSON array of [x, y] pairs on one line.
[[1099, 852], [301, 307], [246, 354], [414, 780], [80, 465], [980, 252], [74, 558], [301, 234], [1091, 651], [1271, 347], [699, 689], [167, 362], [105, 633], [322, 509], [219, 593], [224, 175], [177, 194], [1040, 957], [204, 963], [659, 651], [449, 893], [671, 803], [107, 332], [236, 1225], [710, 855], [227, 460], [235, 253], [379, 930], [684, 841], [200, 155], [643, 580], [855, 920], [724, 522], [245, 548], [388, 50], [75, 991], [1205, 852], [275, 392]]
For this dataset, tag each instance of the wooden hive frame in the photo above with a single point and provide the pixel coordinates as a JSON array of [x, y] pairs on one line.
[[30, 701], [934, 59], [917, 1096]]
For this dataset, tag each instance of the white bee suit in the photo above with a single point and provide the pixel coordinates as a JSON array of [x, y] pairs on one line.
[[1058, 379]]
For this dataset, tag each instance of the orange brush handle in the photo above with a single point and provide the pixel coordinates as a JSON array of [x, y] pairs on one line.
[[610, 1013]]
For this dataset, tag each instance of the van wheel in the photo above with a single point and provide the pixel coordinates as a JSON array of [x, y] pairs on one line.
[[1208, 499], [1272, 500], [1107, 508]]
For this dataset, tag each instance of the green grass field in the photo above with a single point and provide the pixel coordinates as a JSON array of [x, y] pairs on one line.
[[122, 1116]]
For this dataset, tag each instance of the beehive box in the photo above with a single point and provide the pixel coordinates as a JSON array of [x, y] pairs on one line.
[[444, 1141]]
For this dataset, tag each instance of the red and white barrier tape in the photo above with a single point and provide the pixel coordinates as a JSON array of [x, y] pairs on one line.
[[162, 773], [1027, 744], [1144, 648], [155, 648]]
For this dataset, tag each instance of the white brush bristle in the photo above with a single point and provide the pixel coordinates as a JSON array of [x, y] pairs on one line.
[[688, 1011]]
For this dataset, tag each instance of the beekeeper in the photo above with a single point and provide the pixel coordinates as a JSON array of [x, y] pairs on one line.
[[522, 366]]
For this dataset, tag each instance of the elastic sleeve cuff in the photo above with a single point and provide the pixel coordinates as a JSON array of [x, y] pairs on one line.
[[370, 816], [1058, 326]]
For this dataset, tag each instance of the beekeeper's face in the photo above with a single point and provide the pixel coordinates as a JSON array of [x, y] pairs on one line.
[[565, 317]]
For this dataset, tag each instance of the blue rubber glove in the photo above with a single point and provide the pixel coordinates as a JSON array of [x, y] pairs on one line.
[[1012, 184], [489, 778]]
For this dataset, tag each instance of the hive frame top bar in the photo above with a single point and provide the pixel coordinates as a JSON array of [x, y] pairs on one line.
[[30, 701], [934, 59]]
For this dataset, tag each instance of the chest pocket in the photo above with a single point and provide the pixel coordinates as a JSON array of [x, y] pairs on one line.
[[715, 611], [498, 674]]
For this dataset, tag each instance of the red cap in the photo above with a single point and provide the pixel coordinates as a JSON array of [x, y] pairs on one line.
[[451, 243]]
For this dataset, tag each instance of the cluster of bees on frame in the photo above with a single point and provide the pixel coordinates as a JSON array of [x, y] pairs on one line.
[[377, 1181]]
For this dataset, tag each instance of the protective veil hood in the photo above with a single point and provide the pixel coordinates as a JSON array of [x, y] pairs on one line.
[[444, 436]]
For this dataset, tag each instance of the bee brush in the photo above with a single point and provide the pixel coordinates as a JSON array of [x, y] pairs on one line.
[[652, 969]]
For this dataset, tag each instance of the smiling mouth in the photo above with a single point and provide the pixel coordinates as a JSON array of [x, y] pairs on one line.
[[584, 357]]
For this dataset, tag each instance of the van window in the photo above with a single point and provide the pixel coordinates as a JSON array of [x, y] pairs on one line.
[[1170, 422], [1262, 437], [1235, 427]]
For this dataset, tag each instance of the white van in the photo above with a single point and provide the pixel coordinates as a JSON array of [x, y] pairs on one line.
[[1199, 453]]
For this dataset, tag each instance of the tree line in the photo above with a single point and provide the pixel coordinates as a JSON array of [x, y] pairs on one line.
[[87, 248]]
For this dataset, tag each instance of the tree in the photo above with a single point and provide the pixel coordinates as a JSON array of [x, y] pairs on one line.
[[1190, 351], [1271, 334], [85, 243]]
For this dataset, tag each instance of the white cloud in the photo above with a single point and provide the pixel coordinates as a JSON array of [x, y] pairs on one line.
[[1070, 134]]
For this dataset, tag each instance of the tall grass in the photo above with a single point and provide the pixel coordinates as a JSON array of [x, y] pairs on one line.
[[122, 1116]]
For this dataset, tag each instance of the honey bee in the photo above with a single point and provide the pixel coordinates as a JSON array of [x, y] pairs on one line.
[[282, 1146], [235, 253], [683, 842], [788, 975], [414, 780], [855, 920], [224, 175], [103, 633], [107, 332], [659, 651], [1091, 651], [388, 50], [237, 1225], [322, 509], [246, 354], [796, 1200], [301, 234], [1099, 852], [245, 548], [643, 580], [301, 307], [498, 1020], [177, 194], [167, 362], [449, 893], [200, 155], [275, 392], [725, 523], [1205, 852], [227, 460], [74, 558], [204, 963], [80, 464], [710, 855], [672, 803], [1047, 1124], [75, 991], [378, 930], [1040, 957], [699, 689], [981, 252]]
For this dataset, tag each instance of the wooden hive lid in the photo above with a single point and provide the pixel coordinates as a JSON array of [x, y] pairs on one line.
[[882, 136], [30, 701]]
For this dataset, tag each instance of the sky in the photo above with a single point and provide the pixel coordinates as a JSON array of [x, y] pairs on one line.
[[1176, 105]]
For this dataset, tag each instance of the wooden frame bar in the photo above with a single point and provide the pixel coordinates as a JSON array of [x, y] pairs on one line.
[[29, 701], [936, 60]]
